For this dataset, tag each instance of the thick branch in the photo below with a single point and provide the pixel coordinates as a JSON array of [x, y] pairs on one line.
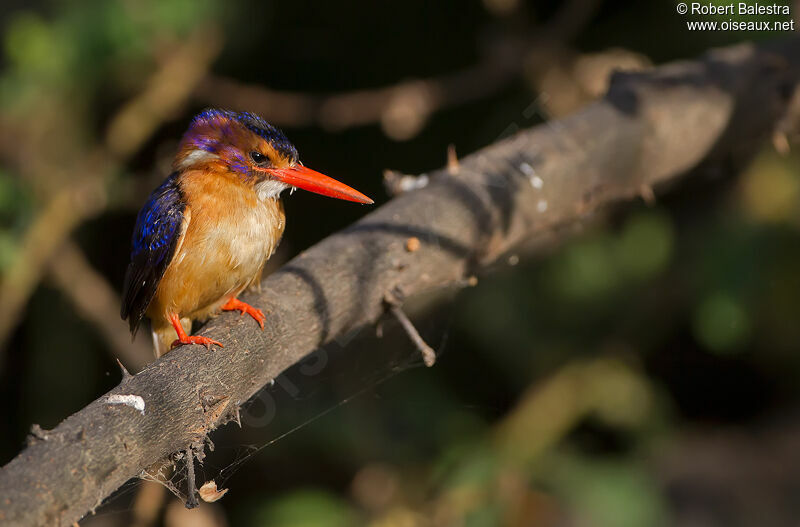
[[651, 128]]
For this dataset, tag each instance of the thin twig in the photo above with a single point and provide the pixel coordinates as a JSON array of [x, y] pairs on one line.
[[393, 302], [428, 353], [191, 484]]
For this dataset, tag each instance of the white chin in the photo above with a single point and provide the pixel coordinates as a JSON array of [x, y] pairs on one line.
[[270, 189]]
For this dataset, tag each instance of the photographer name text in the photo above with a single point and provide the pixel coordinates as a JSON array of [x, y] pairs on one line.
[[741, 8]]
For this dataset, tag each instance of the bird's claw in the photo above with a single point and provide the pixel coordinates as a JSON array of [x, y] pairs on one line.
[[234, 304], [203, 341]]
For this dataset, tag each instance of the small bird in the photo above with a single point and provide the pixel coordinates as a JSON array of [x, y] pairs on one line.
[[204, 235]]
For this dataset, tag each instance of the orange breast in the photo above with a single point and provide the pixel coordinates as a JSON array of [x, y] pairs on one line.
[[228, 235]]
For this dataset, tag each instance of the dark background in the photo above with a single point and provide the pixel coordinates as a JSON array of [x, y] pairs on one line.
[[644, 374]]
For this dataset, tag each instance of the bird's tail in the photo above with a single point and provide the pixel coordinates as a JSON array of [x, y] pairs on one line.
[[164, 336]]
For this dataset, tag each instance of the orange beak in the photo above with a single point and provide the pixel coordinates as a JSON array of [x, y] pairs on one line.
[[312, 181]]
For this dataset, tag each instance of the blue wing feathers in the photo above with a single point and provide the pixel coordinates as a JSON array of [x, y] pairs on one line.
[[157, 231]]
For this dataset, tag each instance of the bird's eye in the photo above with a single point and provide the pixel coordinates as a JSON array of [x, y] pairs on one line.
[[258, 157]]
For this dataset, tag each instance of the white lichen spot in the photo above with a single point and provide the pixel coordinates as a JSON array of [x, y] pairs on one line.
[[541, 206], [513, 260], [134, 401], [527, 169], [408, 183], [536, 182]]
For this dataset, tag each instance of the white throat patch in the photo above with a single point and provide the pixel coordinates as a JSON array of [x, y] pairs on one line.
[[270, 189]]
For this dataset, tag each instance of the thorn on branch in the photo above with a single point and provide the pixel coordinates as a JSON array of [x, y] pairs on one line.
[[235, 416], [452, 160], [125, 373], [393, 301], [37, 433]]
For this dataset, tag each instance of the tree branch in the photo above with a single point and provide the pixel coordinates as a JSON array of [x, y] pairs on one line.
[[651, 128]]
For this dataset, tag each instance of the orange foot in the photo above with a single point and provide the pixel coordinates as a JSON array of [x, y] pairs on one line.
[[234, 304], [183, 338]]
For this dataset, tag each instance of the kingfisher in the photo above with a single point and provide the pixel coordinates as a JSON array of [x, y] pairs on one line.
[[205, 233]]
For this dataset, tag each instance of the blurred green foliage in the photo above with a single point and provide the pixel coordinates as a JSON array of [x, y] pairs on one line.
[[593, 267], [311, 508], [610, 493], [721, 323], [76, 49]]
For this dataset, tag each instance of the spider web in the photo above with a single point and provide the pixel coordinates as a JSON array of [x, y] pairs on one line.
[[299, 392], [358, 384]]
